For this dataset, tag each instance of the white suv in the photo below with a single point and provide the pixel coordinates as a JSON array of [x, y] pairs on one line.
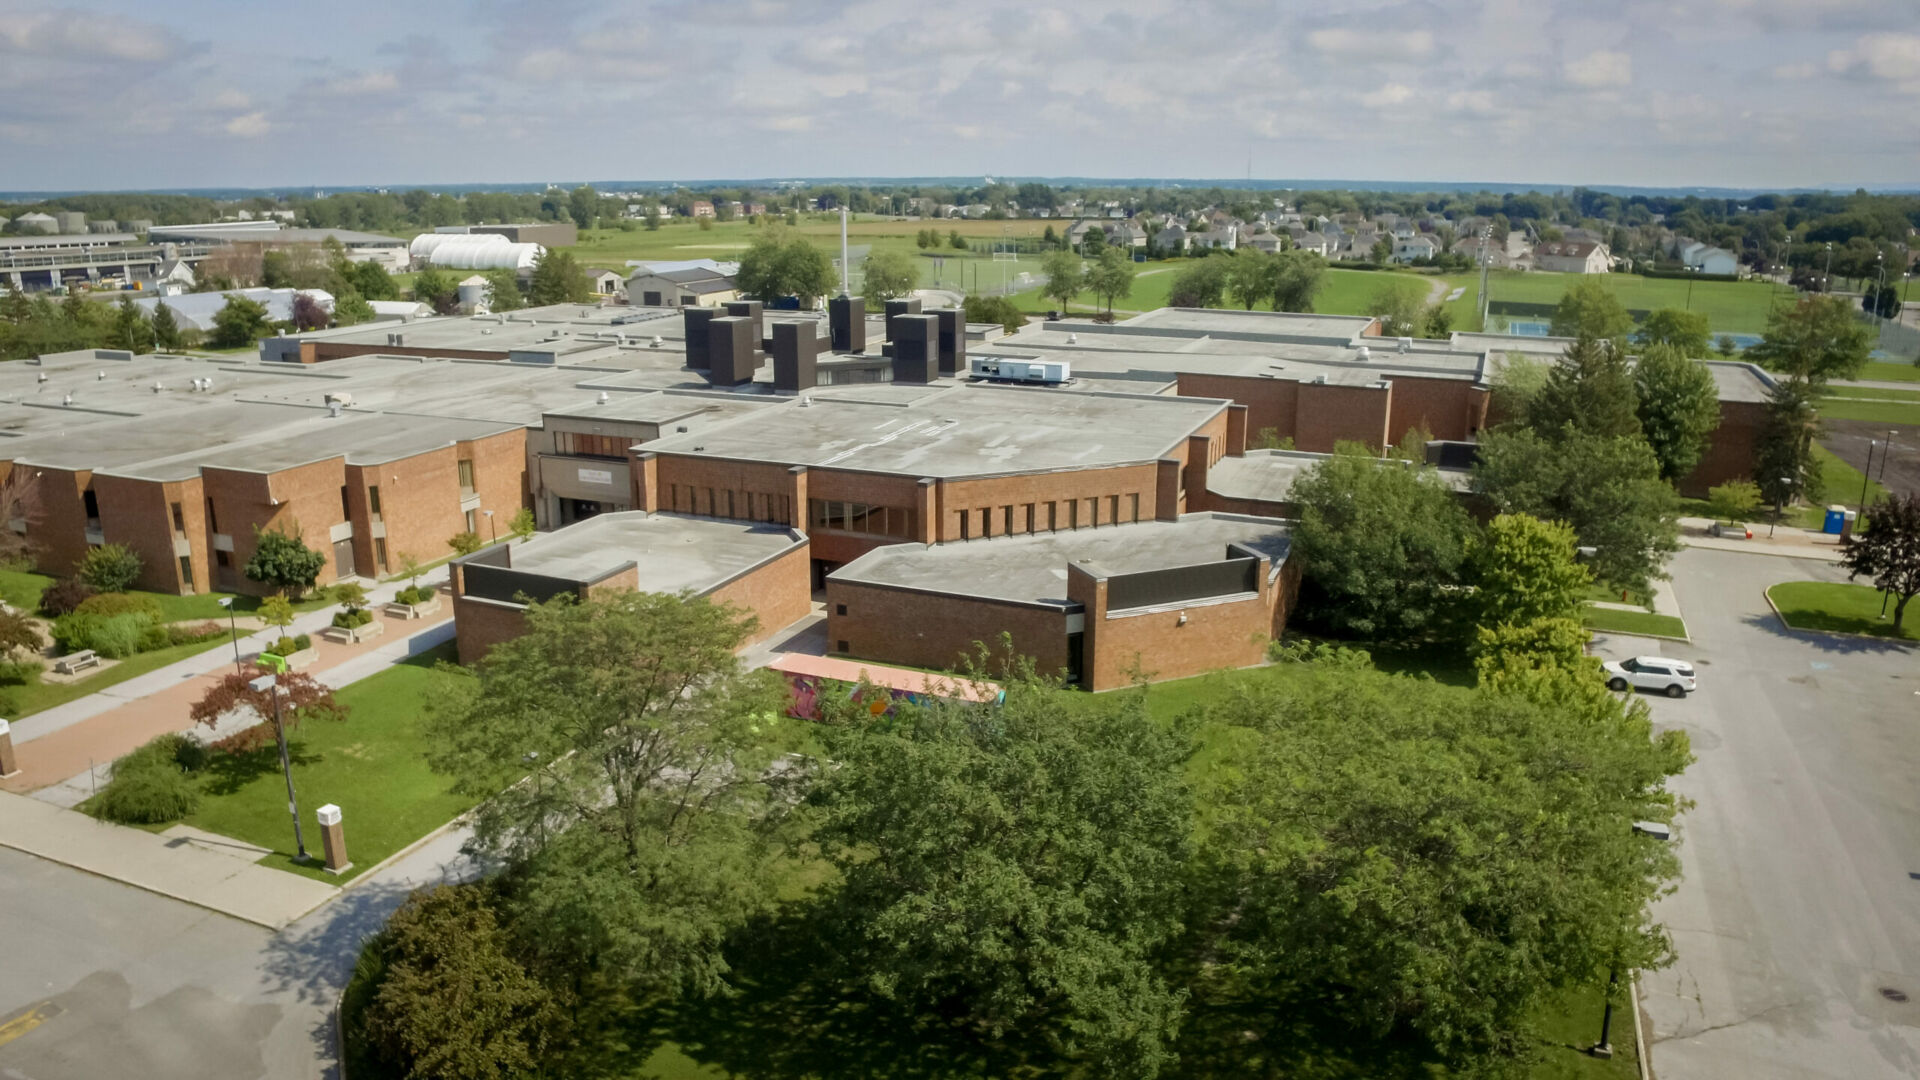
[[1673, 678]]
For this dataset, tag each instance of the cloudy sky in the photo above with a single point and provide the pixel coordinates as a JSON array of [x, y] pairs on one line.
[[198, 93]]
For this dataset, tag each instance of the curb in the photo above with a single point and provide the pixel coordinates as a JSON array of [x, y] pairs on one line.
[[1768, 594], [1818, 554], [187, 900], [1640, 1045]]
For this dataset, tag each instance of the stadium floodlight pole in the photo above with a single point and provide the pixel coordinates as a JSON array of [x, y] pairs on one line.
[[1828, 272]]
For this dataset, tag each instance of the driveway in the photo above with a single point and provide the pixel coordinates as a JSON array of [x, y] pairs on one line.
[[99, 979], [1797, 925]]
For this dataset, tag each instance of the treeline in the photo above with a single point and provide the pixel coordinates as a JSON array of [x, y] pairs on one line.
[[1334, 871]]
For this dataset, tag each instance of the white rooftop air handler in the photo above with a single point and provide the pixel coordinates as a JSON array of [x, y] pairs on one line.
[[1032, 372], [1363, 354]]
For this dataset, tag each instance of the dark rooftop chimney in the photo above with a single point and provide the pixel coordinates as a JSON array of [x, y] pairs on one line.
[[796, 349], [750, 309], [953, 339], [695, 320], [730, 346], [847, 316], [897, 308], [916, 347]]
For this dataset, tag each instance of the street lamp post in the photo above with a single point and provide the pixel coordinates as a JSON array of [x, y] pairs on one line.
[[491, 527], [1780, 503], [233, 630], [1690, 273], [1828, 272], [1871, 443], [269, 685]]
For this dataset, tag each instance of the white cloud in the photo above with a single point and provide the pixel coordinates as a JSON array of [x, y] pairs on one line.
[[251, 126], [1892, 57], [78, 35], [1390, 94], [1600, 69], [1370, 44]]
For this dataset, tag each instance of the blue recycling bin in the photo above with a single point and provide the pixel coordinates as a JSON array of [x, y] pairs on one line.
[[1836, 520]]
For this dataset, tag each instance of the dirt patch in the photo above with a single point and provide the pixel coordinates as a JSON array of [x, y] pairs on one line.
[[1899, 471]]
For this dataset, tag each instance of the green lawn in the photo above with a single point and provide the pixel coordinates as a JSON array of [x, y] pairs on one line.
[[1632, 622], [1881, 412], [1738, 307], [372, 765], [1847, 609], [22, 588], [19, 701], [1346, 292], [1569, 1023], [1872, 393], [1890, 371]]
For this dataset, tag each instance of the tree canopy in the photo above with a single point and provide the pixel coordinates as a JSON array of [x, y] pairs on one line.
[[1887, 553], [780, 263], [1110, 275], [282, 560], [1686, 331], [1590, 309], [558, 278], [1382, 544], [238, 323], [886, 275], [1523, 569], [1590, 390], [1679, 407], [1816, 340], [1065, 276]]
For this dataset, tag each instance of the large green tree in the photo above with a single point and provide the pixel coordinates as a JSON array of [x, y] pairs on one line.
[[1299, 278], [1382, 544], [558, 278], [1686, 331], [780, 263], [282, 560], [166, 329], [1678, 407], [1590, 309], [1201, 283], [437, 289], [1398, 872], [1590, 390], [239, 322], [1523, 569], [624, 758], [885, 275], [1008, 874], [1607, 487], [1888, 551], [1783, 461], [503, 291], [447, 999], [1252, 276], [1816, 340], [1065, 276], [1110, 275]]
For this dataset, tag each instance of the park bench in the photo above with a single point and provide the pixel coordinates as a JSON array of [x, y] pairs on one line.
[[73, 662]]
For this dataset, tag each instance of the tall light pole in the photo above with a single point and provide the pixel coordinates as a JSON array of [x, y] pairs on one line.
[[491, 527], [1827, 274], [1868, 472], [1880, 282], [269, 685], [233, 630]]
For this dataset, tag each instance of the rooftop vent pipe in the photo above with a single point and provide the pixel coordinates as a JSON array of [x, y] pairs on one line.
[[1364, 353], [1406, 344], [656, 342], [603, 397], [68, 400], [333, 409], [1073, 339], [43, 376], [101, 376], [157, 387]]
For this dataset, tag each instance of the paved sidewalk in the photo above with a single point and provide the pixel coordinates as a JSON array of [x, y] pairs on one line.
[[77, 749], [1786, 540], [177, 867]]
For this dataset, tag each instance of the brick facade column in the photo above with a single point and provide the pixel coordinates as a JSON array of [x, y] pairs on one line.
[[1236, 430], [926, 526], [1199, 459], [1087, 586], [1166, 490], [798, 493], [645, 471]]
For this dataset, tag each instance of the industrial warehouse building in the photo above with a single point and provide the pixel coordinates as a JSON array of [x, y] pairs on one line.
[[925, 477]]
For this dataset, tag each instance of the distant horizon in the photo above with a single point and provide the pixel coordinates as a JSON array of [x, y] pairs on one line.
[[1498, 187]]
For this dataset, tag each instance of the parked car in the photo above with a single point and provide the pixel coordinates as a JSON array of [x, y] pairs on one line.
[[1673, 678], [1730, 531]]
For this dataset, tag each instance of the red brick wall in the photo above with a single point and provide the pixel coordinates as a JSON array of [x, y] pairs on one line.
[[1730, 449], [308, 495], [1449, 408], [896, 626], [139, 515], [1155, 642], [1316, 416], [778, 592], [478, 626], [1094, 489], [1330, 414], [743, 478], [60, 533]]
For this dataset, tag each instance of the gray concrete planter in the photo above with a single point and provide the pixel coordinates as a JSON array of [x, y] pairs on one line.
[[415, 611], [301, 658], [343, 636]]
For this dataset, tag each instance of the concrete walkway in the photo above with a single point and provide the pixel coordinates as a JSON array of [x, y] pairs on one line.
[[1786, 540], [177, 868], [184, 864]]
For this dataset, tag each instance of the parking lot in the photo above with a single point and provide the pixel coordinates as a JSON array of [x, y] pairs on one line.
[[1797, 926]]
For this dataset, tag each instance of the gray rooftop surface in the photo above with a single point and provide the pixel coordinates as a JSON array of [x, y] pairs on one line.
[[1033, 569], [674, 552], [1269, 475], [961, 431]]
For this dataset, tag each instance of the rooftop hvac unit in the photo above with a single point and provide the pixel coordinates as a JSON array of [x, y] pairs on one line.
[[157, 387], [333, 408], [339, 397], [655, 343], [1319, 380], [1406, 344], [43, 376], [1363, 354]]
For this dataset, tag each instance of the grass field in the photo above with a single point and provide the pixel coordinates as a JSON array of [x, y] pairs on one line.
[[1847, 609], [22, 588], [1874, 393], [1881, 412], [1890, 371], [372, 765], [19, 701], [1737, 307], [1647, 623]]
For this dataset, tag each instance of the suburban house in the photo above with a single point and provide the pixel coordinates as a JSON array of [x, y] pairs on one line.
[[1171, 238], [702, 208], [1267, 242], [1572, 257], [1707, 259], [1226, 237], [1312, 241], [606, 282], [1408, 248]]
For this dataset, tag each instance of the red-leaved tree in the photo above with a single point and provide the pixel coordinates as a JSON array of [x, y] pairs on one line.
[[301, 698], [1889, 553]]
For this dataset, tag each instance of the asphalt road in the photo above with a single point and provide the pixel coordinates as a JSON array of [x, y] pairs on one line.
[[99, 979], [1798, 921]]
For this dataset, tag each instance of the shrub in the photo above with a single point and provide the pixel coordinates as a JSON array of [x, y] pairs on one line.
[[283, 560], [1733, 501], [64, 596], [110, 568], [20, 672], [154, 636], [302, 641], [18, 632], [151, 785], [350, 619], [74, 632], [119, 603], [465, 543], [112, 636], [414, 594], [286, 646]]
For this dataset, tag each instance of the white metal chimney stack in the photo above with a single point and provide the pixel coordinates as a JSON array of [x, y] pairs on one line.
[[845, 270]]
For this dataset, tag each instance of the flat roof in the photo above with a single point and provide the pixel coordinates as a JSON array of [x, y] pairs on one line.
[[960, 431], [1269, 475], [674, 552], [1032, 569], [1735, 380]]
